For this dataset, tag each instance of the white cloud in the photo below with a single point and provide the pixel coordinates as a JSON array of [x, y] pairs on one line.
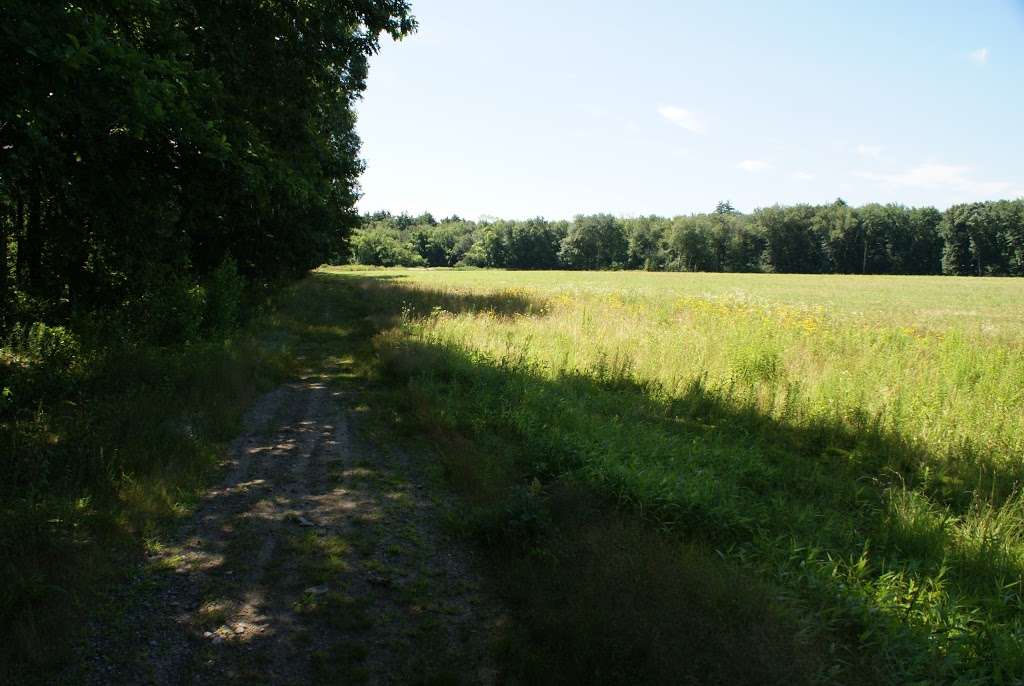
[[680, 117], [872, 151], [952, 177], [803, 176], [979, 56], [754, 165]]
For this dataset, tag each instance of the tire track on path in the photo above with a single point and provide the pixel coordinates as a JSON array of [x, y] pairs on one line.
[[319, 558]]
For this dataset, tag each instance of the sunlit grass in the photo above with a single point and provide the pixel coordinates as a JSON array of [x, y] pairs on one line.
[[858, 439], [946, 390], [990, 306]]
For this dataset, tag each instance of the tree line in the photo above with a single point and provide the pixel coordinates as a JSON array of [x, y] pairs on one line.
[[145, 144], [979, 239]]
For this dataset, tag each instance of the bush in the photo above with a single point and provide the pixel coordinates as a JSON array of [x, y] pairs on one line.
[[171, 311], [224, 295], [518, 520], [41, 361], [48, 346], [380, 246]]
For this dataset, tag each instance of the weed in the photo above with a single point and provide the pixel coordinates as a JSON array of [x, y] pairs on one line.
[[323, 558], [855, 461], [341, 663]]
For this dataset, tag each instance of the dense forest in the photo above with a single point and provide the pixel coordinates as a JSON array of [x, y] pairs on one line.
[[148, 147], [978, 239], [164, 166]]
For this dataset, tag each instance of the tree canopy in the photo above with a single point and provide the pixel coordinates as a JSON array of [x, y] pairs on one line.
[[148, 140], [974, 239]]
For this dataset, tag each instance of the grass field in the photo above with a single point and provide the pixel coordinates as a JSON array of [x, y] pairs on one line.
[[678, 478], [851, 447]]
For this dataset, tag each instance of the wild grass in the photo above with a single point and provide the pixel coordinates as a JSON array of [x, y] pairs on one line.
[[680, 478], [854, 442], [102, 447]]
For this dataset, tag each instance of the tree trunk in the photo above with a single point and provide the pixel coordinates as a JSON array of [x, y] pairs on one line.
[[974, 245], [18, 233], [864, 261], [3, 265], [34, 243], [4, 232]]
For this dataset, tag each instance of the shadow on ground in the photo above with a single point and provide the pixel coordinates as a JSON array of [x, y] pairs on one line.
[[639, 538], [824, 511], [317, 560]]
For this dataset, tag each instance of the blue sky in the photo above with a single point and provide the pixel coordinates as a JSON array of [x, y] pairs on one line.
[[558, 107]]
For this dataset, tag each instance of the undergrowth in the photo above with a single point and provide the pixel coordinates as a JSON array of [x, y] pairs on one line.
[[108, 435]]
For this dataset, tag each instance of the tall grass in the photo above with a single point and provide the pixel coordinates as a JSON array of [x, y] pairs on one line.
[[943, 393], [102, 446], [869, 465], [686, 478]]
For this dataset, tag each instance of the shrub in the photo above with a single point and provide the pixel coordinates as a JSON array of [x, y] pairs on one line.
[[48, 346], [224, 295], [171, 311], [380, 246], [47, 360], [517, 520], [752, 365]]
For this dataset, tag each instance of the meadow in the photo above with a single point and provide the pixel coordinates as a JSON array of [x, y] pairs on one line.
[[834, 462], [674, 477]]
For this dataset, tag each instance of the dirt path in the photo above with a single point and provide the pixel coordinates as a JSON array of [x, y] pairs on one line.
[[319, 559]]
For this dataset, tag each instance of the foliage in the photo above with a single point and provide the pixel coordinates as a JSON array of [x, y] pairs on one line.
[[645, 248], [161, 163], [531, 244], [50, 346], [47, 360], [138, 137], [170, 310], [594, 242], [984, 239], [225, 294], [979, 239], [103, 446], [380, 245]]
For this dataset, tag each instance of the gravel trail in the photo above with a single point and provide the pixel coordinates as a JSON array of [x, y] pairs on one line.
[[319, 559]]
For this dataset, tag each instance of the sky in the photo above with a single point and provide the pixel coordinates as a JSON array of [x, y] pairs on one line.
[[553, 108]]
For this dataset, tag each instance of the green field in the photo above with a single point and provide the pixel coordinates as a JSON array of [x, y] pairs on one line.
[[854, 444], [985, 305]]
